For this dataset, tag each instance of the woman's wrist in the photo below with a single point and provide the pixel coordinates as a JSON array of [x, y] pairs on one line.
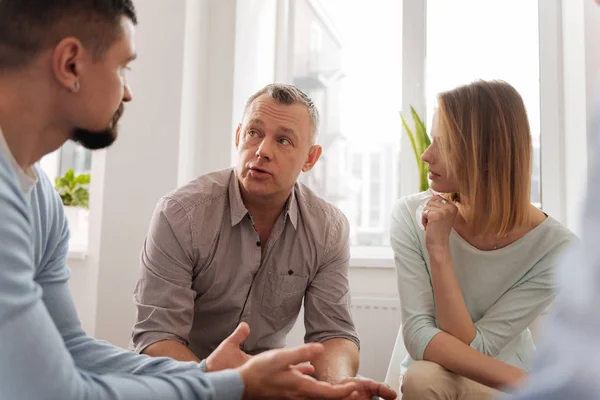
[[439, 253]]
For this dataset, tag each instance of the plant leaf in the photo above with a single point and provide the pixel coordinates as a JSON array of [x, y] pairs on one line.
[[82, 196], [72, 189], [420, 142], [82, 179], [70, 175], [411, 137], [421, 132]]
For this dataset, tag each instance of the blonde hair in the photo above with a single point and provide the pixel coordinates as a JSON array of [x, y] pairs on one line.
[[488, 151]]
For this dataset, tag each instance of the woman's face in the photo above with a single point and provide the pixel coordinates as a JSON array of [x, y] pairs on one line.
[[441, 180]]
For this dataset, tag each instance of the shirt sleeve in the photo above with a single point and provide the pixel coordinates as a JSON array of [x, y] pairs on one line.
[[417, 303], [327, 300], [163, 296], [35, 361]]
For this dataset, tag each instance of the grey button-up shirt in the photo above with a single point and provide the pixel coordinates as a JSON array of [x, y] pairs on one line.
[[203, 270]]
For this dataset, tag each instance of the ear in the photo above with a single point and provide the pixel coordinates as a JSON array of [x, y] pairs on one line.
[[67, 63], [313, 156], [237, 135]]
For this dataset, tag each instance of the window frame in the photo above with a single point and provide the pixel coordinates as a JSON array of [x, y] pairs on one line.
[[552, 116], [414, 52]]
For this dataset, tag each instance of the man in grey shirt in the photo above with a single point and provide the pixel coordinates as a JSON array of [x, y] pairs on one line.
[[250, 244], [62, 76]]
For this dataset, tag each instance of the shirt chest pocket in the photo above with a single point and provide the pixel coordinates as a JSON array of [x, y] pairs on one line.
[[282, 296]]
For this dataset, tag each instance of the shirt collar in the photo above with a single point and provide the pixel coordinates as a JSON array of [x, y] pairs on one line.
[[238, 210], [27, 178]]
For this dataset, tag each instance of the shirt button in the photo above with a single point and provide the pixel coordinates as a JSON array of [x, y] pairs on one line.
[[258, 243], [290, 272]]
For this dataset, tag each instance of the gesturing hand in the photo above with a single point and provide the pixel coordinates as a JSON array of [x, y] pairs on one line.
[[368, 388], [275, 374], [229, 354]]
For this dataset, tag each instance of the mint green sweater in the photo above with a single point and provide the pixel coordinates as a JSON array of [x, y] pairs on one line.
[[504, 290]]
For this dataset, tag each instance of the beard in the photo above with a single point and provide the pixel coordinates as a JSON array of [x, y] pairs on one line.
[[95, 140]]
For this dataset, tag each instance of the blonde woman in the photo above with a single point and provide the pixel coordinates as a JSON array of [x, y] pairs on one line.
[[475, 265]]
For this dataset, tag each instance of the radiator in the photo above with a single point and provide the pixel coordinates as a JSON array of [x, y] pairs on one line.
[[377, 321]]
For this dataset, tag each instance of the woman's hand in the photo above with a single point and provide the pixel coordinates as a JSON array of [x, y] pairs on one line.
[[438, 219]]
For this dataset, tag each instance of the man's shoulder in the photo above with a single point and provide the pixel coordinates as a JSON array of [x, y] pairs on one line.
[[319, 212], [44, 186], [8, 178], [206, 190]]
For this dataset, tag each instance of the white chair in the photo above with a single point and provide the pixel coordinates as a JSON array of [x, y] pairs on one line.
[[392, 377]]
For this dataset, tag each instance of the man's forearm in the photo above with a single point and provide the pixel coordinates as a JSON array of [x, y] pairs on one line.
[[454, 355], [338, 362], [171, 348]]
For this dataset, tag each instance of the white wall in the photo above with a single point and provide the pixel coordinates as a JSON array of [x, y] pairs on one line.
[[229, 55], [254, 51], [195, 77], [581, 66], [414, 42], [575, 96], [592, 64]]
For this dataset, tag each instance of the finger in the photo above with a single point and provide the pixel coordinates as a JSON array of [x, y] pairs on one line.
[[239, 335], [432, 200], [373, 388], [440, 199], [424, 219], [304, 369], [282, 359], [436, 206], [321, 390], [438, 203], [383, 391]]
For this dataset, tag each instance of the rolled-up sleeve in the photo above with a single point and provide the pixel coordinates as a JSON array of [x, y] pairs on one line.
[[414, 284], [163, 296], [327, 302]]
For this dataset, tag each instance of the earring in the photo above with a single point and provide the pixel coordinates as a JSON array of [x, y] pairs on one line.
[[76, 86]]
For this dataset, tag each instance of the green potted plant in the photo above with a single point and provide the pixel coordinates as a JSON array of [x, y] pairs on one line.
[[73, 190], [419, 141]]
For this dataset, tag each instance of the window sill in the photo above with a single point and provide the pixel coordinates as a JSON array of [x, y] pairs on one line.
[[78, 247], [77, 253], [371, 257], [360, 256]]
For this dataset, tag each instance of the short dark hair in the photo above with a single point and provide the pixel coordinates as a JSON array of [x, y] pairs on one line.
[[28, 27], [288, 94]]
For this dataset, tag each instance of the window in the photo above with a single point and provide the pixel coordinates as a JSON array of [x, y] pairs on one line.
[[492, 39], [346, 55], [70, 155], [364, 62], [55, 164], [75, 156]]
